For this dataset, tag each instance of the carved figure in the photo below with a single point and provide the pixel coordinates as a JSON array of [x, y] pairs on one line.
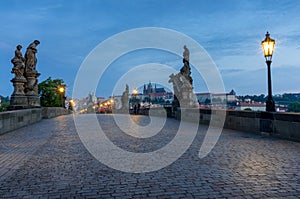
[[183, 83], [186, 54], [125, 98], [31, 60], [186, 69], [19, 62]]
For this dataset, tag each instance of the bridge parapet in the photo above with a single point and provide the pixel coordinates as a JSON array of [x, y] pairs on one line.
[[11, 120], [283, 125], [50, 112]]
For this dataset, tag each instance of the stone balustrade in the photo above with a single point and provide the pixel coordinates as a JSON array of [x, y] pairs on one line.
[[50, 112], [282, 125], [11, 120]]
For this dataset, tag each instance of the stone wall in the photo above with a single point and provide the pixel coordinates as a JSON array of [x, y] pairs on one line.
[[282, 125], [12, 120], [50, 112]]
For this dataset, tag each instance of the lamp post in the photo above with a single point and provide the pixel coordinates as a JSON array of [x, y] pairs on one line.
[[268, 48], [135, 105], [61, 90], [135, 92], [72, 104]]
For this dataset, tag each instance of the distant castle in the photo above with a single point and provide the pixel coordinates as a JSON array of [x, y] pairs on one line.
[[153, 93], [149, 90]]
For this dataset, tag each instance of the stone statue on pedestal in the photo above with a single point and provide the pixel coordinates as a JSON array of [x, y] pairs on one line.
[[125, 99], [25, 82], [183, 84], [31, 75], [18, 98]]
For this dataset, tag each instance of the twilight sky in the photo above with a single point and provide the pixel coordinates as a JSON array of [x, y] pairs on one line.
[[229, 31]]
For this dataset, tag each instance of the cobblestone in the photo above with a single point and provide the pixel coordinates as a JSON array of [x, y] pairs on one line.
[[48, 160]]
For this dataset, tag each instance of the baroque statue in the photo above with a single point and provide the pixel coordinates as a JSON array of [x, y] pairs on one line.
[[183, 83], [125, 99], [25, 82], [186, 54], [31, 60], [186, 69], [19, 63]]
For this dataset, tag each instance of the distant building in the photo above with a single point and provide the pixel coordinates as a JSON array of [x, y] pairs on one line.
[[215, 98], [151, 93], [100, 100], [251, 106], [149, 89]]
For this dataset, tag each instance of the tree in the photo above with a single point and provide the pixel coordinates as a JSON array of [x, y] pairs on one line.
[[4, 106], [294, 107], [48, 91], [4, 103]]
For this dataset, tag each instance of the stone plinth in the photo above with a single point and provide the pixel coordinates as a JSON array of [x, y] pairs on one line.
[[18, 99], [31, 89], [11, 120], [187, 97]]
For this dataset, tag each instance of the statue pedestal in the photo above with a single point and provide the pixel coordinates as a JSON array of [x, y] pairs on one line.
[[31, 89], [33, 101], [18, 99], [187, 97], [18, 102]]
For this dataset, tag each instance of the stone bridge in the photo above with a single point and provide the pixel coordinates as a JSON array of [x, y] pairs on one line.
[[49, 160]]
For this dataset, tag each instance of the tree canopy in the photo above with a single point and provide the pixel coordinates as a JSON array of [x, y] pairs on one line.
[[294, 107], [49, 94]]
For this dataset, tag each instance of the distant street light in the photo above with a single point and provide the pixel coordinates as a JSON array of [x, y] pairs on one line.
[[268, 48], [135, 91], [135, 105], [72, 104]]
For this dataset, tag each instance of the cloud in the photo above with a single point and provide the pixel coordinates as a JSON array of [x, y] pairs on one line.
[[255, 81], [231, 71], [230, 31]]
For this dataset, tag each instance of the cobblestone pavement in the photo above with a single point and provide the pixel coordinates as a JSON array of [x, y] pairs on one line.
[[48, 160]]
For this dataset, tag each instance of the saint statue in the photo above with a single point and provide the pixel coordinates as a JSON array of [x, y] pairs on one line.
[[183, 83], [186, 54], [19, 63], [30, 63], [186, 69], [125, 98]]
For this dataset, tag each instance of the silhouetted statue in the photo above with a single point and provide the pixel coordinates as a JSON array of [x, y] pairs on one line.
[[186, 69], [183, 83], [125, 99], [186, 54]]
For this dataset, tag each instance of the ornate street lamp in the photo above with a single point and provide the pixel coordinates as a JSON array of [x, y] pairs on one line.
[[135, 105], [61, 89], [268, 48], [134, 93]]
